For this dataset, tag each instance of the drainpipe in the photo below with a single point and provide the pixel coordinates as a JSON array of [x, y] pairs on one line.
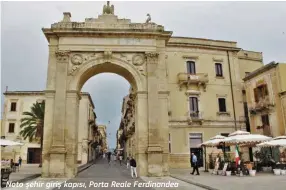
[[231, 88]]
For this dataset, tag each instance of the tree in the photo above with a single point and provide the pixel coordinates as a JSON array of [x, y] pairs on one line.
[[32, 124]]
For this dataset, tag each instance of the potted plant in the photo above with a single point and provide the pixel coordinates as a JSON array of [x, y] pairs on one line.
[[228, 170], [277, 171], [221, 164], [252, 172], [211, 163]]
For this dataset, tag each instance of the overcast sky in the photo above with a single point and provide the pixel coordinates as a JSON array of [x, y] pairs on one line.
[[256, 26]]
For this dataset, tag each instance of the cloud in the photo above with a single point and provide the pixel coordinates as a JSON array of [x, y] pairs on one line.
[[256, 26]]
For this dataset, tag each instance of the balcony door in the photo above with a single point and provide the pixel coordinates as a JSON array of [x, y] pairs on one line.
[[191, 67], [194, 107]]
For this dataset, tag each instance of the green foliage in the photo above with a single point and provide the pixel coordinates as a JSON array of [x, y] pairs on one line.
[[33, 122]]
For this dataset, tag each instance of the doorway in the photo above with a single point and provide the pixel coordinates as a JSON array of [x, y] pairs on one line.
[[34, 155]]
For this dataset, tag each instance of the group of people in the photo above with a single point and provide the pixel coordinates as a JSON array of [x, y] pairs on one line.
[[11, 162], [130, 162]]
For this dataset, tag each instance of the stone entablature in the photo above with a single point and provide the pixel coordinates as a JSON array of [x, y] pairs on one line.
[[105, 24], [201, 41]]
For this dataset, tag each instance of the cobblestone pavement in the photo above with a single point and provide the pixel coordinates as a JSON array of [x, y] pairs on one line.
[[262, 181]]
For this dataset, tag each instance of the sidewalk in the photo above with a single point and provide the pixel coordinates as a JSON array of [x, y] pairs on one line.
[[26, 172], [262, 181]]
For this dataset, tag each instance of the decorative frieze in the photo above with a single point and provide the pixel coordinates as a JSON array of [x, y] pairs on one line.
[[62, 56], [138, 59], [152, 57]]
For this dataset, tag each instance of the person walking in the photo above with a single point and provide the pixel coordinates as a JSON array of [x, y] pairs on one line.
[[127, 162], [194, 162], [20, 161], [109, 157], [120, 159], [133, 167]]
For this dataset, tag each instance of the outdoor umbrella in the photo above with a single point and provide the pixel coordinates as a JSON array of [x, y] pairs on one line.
[[214, 141], [276, 142], [5, 142], [244, 138]]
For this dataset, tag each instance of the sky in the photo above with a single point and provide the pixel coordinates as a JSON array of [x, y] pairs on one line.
[[255, 26]]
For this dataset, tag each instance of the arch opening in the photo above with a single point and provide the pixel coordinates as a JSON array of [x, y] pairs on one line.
[[120, 68]]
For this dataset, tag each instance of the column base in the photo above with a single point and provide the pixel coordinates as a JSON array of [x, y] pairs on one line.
[[155, 161], [59, 164]]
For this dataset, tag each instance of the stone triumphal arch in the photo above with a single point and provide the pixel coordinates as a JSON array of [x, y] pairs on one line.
[[80, 50]]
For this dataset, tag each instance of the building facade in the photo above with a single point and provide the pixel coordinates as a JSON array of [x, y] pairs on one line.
[[205, 82], [103, 138], [186, 90], [265, 90], [17, 102]]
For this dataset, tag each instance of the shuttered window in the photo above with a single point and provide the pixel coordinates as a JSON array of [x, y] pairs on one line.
[[13, 106], [191, 67], [195, 139], [222, 106], [11, 128], [194, 104], [218, 69]]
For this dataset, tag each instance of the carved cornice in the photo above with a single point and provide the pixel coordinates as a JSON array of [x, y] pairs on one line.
[[190, 57], [217, 59], [62, 56]]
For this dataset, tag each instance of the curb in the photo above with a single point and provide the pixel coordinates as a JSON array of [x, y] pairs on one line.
[[194, 183], [27, 178], [84, 167]]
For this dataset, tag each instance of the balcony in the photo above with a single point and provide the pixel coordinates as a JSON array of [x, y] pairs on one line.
[[263, 104], [196, 116], [186, 79]]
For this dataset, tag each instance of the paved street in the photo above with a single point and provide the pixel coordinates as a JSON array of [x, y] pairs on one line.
[[262, 181], [104, 176]]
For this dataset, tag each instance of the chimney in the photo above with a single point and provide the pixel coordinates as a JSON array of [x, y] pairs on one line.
[[6, 88], [67, 17]]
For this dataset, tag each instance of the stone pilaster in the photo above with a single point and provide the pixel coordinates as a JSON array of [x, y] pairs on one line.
[[71, 132], [47, 141], [154, 150], [58, 150], [141, 131]]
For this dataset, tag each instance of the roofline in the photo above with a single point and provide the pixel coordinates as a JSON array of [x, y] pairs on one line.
[[35, 93], [260, 70], [205, 39]]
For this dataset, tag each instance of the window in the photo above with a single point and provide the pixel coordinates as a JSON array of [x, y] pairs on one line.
[[227, 148], [169, 142], [11, 127], [222, 106], [265, 119], [260, 92], [194, 108], [191, 66], [266, 125], [13, 106], [218, 69], [195, 139]]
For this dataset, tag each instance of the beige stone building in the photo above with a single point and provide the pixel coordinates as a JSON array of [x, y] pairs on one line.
[[126, 131], [185, 90], [265, 90], [103, 138], [17, 102]]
